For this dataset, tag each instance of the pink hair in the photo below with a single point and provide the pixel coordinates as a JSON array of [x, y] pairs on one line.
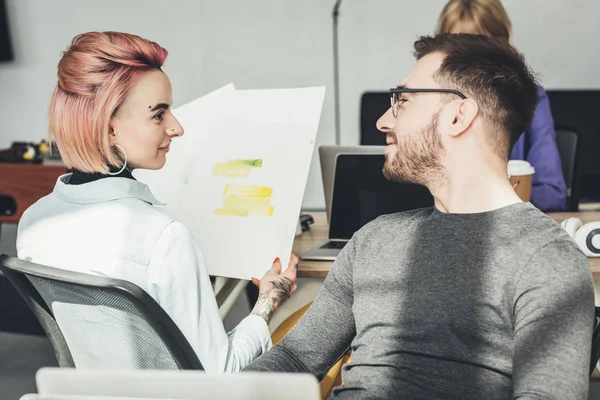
[[95, 75]]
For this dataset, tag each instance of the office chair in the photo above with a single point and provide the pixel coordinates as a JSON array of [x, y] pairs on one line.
[[567, 141], [96, 322]]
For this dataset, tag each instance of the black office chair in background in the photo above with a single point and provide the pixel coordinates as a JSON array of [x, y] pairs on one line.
[[567, 140], [595, 342], [98, 322]]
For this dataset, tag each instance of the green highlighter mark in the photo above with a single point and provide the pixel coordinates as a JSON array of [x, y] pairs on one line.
[[236, 168]]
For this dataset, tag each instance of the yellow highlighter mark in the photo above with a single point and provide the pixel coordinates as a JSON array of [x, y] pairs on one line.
[[245, 212], [237, 202], [242, 191], [245, 201], [236, 168]]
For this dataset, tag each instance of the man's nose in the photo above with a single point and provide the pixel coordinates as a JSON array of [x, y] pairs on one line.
[[386, 123]]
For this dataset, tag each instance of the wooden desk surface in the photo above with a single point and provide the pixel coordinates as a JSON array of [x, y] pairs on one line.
[[26, 183], [318, 234]]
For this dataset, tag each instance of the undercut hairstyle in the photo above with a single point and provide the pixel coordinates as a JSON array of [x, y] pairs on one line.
[[491, 72]]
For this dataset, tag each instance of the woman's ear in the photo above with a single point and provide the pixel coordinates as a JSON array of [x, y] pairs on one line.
[[112, 136]]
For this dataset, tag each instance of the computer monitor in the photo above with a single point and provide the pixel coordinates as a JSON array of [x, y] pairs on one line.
[[328, 158]]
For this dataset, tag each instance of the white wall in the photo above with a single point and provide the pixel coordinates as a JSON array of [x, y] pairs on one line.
[[277, 43]]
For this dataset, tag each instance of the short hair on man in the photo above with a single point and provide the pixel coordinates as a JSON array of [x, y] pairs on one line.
[[492, 73]]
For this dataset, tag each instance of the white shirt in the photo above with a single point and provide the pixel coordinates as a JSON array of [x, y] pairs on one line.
[[111, 227]]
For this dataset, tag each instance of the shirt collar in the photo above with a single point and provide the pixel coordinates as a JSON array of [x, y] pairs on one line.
[[101, 190]]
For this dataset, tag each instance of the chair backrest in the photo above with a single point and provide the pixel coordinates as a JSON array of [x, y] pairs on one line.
[[595, 342], [97, 322], [567, 141]]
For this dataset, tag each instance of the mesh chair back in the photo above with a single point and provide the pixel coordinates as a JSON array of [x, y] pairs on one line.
[[97, 322], [103, 329]]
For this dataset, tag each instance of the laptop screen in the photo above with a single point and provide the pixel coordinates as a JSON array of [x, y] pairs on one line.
[[361, 193]]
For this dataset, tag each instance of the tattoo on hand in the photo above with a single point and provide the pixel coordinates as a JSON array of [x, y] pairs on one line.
[[281, 290], [270, 300], [264, 307]]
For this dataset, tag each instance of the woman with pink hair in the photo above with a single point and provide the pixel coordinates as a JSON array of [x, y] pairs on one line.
[[110, 113]]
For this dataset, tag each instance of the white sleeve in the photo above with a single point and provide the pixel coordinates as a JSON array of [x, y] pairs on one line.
[[179, 281]]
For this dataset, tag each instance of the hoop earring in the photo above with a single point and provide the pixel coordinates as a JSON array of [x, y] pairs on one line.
[[124, 162]]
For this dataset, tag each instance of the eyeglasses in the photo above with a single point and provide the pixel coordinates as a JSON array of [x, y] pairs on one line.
[[396, 92]]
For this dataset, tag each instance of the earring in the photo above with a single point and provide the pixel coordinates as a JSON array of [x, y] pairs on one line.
[[124, 162]]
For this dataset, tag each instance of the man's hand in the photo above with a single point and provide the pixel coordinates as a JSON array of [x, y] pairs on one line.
[[275, 288]]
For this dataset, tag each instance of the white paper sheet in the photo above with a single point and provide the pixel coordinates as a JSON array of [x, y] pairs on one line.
[[266, 135]]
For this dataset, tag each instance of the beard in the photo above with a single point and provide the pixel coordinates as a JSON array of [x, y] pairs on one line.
[[418, 157]]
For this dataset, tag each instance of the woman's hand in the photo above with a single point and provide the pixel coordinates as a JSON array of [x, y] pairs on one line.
[[275, 288]]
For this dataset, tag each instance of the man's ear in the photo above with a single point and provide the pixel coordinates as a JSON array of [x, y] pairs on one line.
[[459, 116]]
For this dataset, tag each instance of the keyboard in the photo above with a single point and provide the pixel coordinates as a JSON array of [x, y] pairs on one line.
[[334, 245]]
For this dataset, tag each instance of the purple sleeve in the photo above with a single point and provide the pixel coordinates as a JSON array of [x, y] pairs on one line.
[[549, 191]]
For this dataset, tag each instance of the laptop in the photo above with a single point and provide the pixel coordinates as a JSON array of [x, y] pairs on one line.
[[71, 383], [327, 158], [360, 194]]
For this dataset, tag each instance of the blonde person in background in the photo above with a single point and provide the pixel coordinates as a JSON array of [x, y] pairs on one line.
[[110, 113], [537, 144]]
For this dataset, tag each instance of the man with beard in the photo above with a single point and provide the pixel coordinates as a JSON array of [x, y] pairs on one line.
[[481, 296]]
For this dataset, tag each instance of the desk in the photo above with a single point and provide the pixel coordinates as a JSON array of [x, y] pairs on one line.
[[26, 183], [318, 234]]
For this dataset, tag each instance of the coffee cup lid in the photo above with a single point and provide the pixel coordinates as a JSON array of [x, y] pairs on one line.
[[520, 167]]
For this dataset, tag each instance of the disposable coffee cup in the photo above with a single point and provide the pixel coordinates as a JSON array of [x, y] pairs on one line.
[[520, 175]]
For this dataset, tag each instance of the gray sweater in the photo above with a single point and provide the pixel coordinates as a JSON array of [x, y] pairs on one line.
[[494, 305]]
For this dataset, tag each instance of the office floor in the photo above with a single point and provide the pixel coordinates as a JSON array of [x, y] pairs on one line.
[[22, 355]]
